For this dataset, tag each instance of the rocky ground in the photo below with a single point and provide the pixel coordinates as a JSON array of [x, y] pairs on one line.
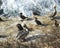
[[40, 37]]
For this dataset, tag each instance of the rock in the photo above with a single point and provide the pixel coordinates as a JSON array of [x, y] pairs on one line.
[[43, 35]]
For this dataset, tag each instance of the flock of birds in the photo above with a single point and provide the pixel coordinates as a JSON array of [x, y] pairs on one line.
[[23, 31]]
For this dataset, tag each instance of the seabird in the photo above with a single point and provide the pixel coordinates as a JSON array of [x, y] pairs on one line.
[[22, 16], [37, 21], [20, 27], [56, 23], [54, 13]]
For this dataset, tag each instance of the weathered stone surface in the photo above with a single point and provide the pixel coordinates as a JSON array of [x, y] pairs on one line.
[[41, 36]]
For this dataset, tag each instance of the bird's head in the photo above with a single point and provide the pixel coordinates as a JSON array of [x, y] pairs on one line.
[[19, 26], [20, 13], [54, 6]]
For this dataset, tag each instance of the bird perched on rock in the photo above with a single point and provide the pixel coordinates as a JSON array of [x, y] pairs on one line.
[[37, 21], [56, 23], [22, 16], [22, 33], [54, 13]]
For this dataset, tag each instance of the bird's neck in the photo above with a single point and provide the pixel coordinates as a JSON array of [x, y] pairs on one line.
[[54, 10]]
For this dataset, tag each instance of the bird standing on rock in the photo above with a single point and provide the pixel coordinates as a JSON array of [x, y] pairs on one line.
[[54, 13], [37, 21], [22, 33], [22, 16]]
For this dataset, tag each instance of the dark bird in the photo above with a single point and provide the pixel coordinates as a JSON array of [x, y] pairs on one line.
[[22, 16], [37, 21], [20, 27], [1, 11], [1, 19], [56, 23], [30, 29], [54, 13]]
